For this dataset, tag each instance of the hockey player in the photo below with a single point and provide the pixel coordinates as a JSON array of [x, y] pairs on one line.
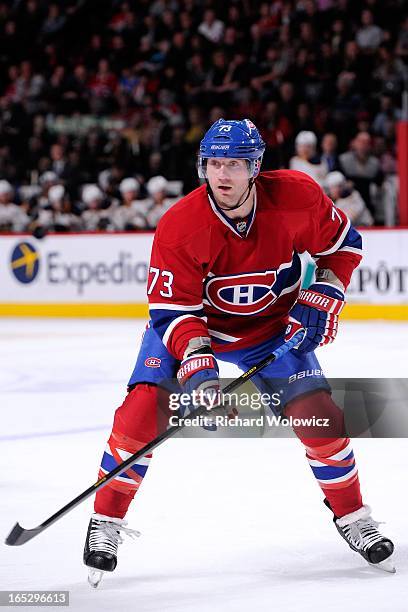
[[225, 282]]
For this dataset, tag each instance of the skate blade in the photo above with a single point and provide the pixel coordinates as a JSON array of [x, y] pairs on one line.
[[94, 577], [385, 566]]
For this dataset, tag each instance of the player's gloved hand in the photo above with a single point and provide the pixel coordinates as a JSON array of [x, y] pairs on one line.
[[198, 375], [317, 309]]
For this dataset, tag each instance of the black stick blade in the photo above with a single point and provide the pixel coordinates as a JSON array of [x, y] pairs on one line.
[[18, 535]]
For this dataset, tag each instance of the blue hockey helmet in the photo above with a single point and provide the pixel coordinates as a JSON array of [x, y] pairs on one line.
[[232, 138]]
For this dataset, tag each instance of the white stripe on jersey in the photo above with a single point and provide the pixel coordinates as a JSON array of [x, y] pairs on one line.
[[174, 324], [221, 336], [290, 289], [156, 306], [334, 248], [349, 249]]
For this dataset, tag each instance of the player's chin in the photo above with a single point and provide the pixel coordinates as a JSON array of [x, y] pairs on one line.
[[226, 198]]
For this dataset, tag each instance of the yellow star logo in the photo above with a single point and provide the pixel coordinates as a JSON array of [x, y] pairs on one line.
[[28, 259]]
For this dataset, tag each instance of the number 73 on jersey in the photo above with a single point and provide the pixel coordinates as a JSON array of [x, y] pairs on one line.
[[165, 278]]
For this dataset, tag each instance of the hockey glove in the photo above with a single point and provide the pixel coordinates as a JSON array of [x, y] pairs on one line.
[[317, 309], [198, 375]]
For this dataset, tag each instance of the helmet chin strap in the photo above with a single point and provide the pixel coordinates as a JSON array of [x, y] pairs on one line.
[[238, 204]]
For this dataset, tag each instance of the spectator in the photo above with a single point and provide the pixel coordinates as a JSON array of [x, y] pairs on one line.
[[177, 151], [345, 105], [402, 43], [304, 120], [276, 131], [271, 70], [385, 152], [288, 102], [329, 154], [369, 36], [95, 216], [57, 216], [363, 168], [132, 213], [59, 164], [306, 159], [159, 202], [102, 86], [211, 28], [196, 77], [386, 115], [47, 180], [12, 217], [347, 199], [76, 94], [55, 21], [196, 127], [107, 183], [391, 72]]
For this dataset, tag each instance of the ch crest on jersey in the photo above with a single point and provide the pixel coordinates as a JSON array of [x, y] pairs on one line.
[[242, 294]]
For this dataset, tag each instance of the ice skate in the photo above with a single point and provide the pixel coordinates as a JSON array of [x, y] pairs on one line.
[[360, 531], [101, 545]]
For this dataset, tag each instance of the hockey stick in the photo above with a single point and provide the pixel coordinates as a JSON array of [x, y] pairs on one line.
[[18, 535]]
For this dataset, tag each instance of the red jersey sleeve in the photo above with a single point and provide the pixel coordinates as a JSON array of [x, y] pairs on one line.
[[330, 238], [175, 289]]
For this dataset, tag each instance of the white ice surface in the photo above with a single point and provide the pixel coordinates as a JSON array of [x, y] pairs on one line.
[[227, 525]]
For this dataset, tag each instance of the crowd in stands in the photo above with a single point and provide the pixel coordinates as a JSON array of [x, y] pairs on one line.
[[103, 105], [51, 209]]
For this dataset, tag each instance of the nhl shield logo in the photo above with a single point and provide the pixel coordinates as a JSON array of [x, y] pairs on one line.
[[242, 294]]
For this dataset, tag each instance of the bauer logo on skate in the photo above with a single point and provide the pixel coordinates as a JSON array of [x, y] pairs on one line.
[[25, 262], [242, 294]]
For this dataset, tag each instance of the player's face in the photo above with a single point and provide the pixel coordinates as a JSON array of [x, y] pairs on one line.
[[228, 178]]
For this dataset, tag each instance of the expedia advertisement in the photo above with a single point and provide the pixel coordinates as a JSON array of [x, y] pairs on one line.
[[112, 269], [74, 268]]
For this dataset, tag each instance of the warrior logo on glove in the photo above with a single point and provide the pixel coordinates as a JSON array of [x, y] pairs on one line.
[[317, 310]]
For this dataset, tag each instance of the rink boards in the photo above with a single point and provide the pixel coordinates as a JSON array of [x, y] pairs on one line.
[[104, 275]]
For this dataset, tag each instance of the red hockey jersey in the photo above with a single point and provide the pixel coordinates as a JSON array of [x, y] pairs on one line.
[[209, 277]]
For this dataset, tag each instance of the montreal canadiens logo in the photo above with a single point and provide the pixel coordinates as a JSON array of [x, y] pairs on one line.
[[243, 294], [152, 362]]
